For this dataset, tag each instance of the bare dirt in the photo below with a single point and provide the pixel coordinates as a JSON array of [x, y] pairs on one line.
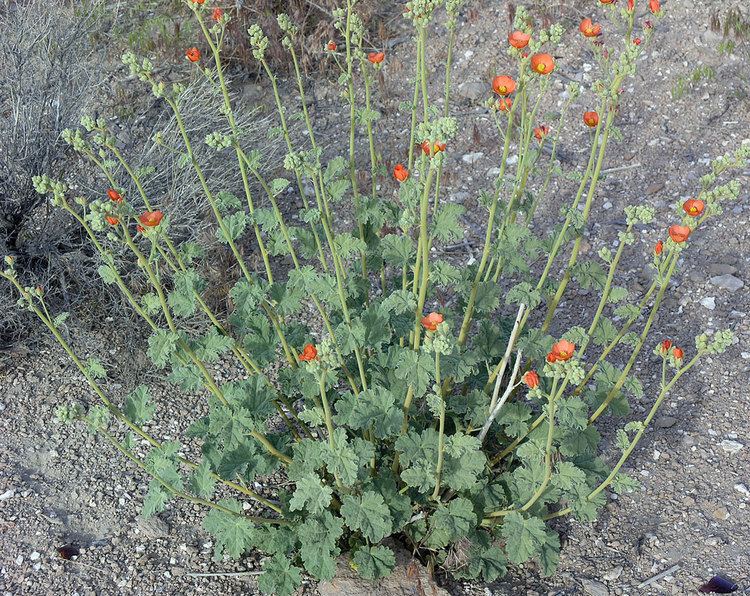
[[58, 485]]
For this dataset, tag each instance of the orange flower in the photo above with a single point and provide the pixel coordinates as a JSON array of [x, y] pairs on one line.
[[658, 248], [332, 46], [665, 346], [503, 85], [631, 5], [217, 14], [504, 104], [519, 39], [400, 173], [654, 6], [112, 220], [436, 148], [309, 353], [198, 1], [541, 131], [678, 354], [376, 57], [589, 28], [694, 207], [591, 119], [542, 63], [530, 379], [679, 233], [637, 41], [431, 321], [150, 219], [114, 196], [193, 54], [607, 1], [561, 351]]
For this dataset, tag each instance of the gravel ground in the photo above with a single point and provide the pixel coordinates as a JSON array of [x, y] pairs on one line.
[[60, 486]]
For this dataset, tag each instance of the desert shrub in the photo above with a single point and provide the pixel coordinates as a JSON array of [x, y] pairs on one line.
[[379, 409]]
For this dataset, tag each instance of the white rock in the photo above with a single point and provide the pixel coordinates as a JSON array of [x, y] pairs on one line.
[[731, 446], [35, 556], [472, 158], [8, 494], [742, 489], [709, 302]]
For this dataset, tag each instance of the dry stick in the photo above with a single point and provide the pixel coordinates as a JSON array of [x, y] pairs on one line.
[[228, 574], [506, 357], [659, 576], [508, 391]]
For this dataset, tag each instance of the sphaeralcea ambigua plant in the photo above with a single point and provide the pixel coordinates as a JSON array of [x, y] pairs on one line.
[[456, 427]]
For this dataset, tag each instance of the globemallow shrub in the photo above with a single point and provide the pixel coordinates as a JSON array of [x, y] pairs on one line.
[[386, 413]]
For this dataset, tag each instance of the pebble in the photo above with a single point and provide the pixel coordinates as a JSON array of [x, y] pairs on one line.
[[742, 489], [709, 302], [731, 446], [34, 556], [613, 573], [594, 588], [472, 158], [472, 91], [8, 494], [727, 282], [665, 421], [721, 513]]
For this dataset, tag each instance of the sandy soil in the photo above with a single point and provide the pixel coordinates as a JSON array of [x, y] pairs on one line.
[[59, 486]]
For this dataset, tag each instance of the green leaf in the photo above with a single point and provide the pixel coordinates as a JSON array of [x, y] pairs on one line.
[[318, 536], [156, 499], [578, 442], [280, 577], [514, 418], [233, 533], [341, 460], [311, 494], [572, 413], [524, 537], [376, 409], [488, 297], [374, 562], [161, 346], [107, 273], [369, 514], [415, 369], [567, 476], [524, 293], [549, 557], [137, 407], [450, 523], [234, 227], [447, 224], [397, 250], [212, 345], [625, 484], [202, 483], [605, 332], [95, 368]]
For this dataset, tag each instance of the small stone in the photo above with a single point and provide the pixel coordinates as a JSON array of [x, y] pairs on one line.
[[665, 421], [715, 269], [731, 446], [472, 91], [727, 282], [19, 560], [594, 588], [34, 556], [613, 573], [607, 206], [721, 513], [8, 494], [709, 302], [742, 489], [745, 355], [472, 158]]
